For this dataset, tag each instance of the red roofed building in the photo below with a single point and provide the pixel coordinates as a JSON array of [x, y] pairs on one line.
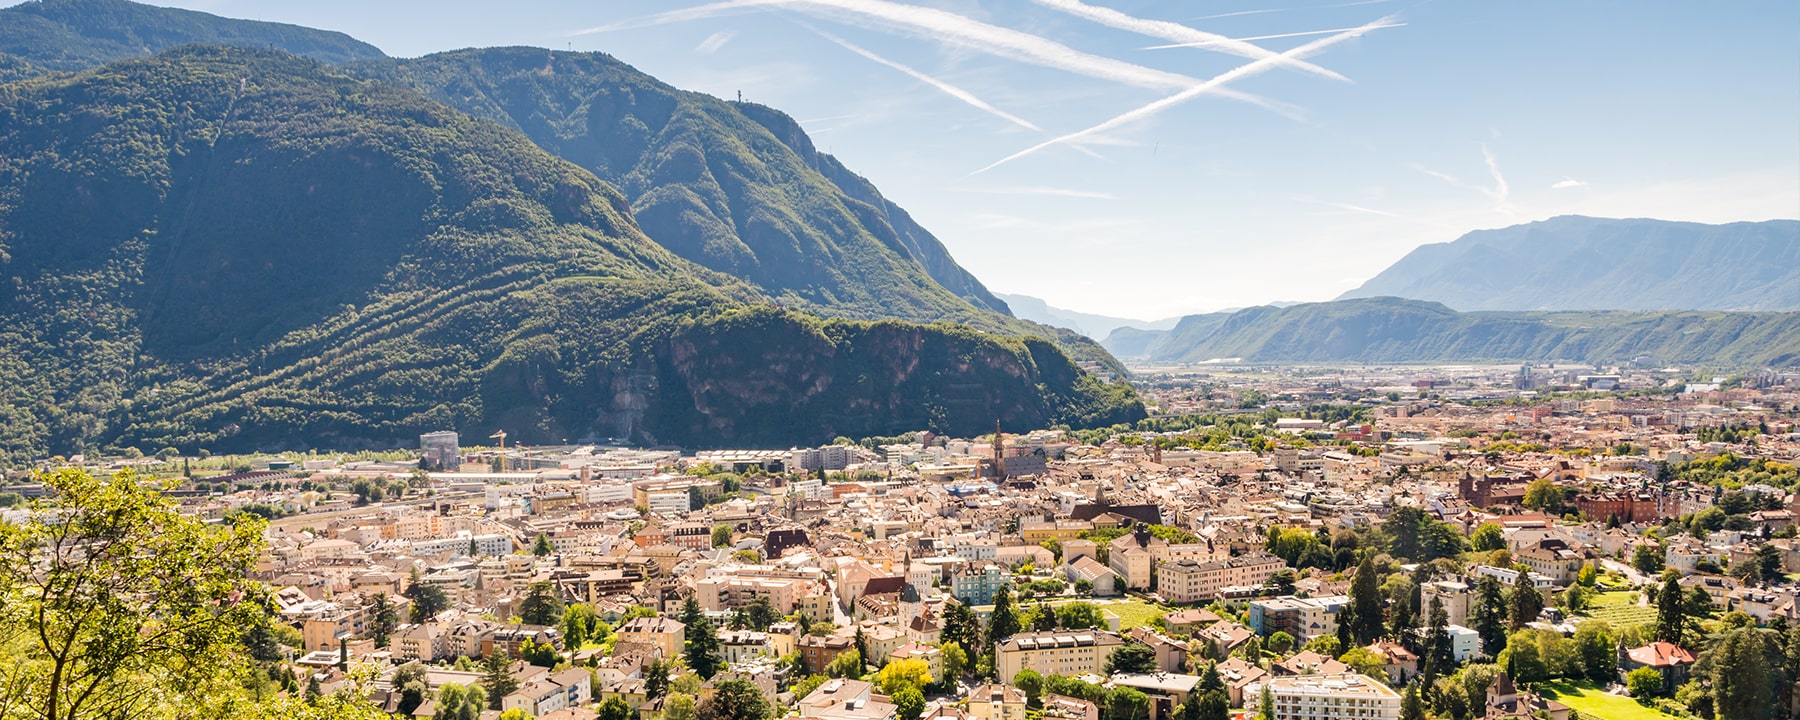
[[1670, 659]]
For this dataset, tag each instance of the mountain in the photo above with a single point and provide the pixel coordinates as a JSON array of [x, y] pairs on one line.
[[1089, 324], [233, 249], [1583, 263], [66, 35], [1398, 330], [734, 187]]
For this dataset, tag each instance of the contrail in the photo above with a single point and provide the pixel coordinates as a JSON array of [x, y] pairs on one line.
[[1252, 68], [952, 29], [1205, 43], [1182, 34], [951, 90]]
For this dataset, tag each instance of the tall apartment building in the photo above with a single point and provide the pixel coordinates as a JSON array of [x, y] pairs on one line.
[[1302, 618], [1347, 696], [1061, 652]]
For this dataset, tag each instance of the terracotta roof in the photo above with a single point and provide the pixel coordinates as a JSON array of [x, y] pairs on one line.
[[1661, 654]]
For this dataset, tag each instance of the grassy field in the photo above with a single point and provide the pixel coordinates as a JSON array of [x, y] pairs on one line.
[[1588, 700], [1620, 609]]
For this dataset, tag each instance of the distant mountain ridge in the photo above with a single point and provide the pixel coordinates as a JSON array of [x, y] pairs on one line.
[[1090, 324], [1399, 330], [1583, 263], [65, 35]]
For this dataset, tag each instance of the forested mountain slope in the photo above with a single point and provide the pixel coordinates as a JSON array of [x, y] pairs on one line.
[[711, 183], [1397, 330], [64, 35], [231, 248]]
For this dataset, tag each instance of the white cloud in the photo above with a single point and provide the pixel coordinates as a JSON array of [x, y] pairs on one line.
[[1210, 86], [1182, 34], [713, 42], [947, 88], [957, 31], [1567, 183], [1204, 43], [1500, 191]]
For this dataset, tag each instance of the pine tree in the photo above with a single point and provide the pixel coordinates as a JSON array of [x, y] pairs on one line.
[[702, 646], [1003, 622], [382, 619], [1411, 706], [1524, 602], [1266, 704], [1489, 615], [497, 677], [1671, 610], [1439, 656], [1365, 602], [542, 546]]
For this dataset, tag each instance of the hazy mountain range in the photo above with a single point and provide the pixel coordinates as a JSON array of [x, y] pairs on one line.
[[1089, 324], [1398, 330], [1583, 263], [240, 247]]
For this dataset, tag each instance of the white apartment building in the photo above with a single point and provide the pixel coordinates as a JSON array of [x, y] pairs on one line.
[[1347, 696]]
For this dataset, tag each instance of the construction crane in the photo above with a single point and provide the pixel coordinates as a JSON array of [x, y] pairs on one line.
[[501, 435]]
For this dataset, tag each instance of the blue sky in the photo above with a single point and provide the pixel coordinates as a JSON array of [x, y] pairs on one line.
[[1287, 179]]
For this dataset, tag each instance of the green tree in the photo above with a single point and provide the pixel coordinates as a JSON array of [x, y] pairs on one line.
[[1523, 661], [962, 628], [410, 681], [734, 699], [848, 664], [1411, 706], [702, 647], [1598, 647], [427, 601], [1031, 683], [113, 604], [901, 674], [909, 703], [1487, 538], [1132, 657], [1125, 703], [1280, 642], [1543, 495], [1438, 657], [1365, 661], [1647, 559], [497, 678], [1266, 703], [1745, 669], [578, 625], [1644, 683], [515, 714], [542, 605], [1524, 602], [1368, 620], [1003, 621], [955, 661], [681, 706], [721, 535], [1078, 616], [1671, 610], [541, 546], [656, 679], [615, 709], [457, 702], [761, 613], [382, 619]]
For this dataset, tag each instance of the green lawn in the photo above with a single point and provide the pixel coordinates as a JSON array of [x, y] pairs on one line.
[[1588, 700]]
